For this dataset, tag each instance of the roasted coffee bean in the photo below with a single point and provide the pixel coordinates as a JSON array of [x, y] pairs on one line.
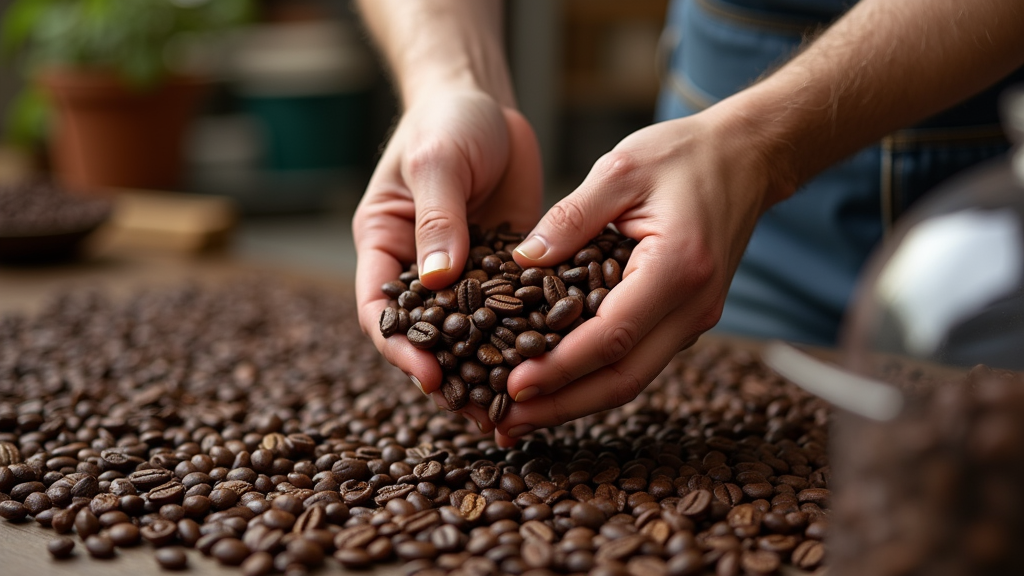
[[229, 551], [13, 511], [469, 294], [481, 396], [62, 547], [456, 325], [499, 407], [99, 546], [504, 305], [554, 289], [423, 335], [171, 558], [388, 321], [564, 312], [455, 392], [530, 344]]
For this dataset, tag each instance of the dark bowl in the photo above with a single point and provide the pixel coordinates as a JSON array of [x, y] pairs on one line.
[[41, 224], [44, 248]]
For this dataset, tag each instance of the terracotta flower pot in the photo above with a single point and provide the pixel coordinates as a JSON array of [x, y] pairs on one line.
[[111, 135]]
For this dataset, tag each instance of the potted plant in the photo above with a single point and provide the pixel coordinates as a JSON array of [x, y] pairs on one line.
[[119, 110]]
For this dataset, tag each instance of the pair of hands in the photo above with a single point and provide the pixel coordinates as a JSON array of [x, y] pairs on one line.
[[683, 189]]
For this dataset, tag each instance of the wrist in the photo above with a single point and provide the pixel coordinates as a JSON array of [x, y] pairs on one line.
[[762, 138]]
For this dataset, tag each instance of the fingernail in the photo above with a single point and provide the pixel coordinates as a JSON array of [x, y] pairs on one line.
[[521, 430], [479, 425], [527, 393], [436, 262], [533, 248], [417, 383]]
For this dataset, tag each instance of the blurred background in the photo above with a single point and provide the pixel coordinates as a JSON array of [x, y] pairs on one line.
[[294, 112]]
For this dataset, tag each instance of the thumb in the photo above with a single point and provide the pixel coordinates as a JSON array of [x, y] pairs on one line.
[[572, 221], [439, 180]]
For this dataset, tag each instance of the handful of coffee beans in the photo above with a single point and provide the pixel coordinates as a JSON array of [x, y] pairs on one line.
[[499, 314]]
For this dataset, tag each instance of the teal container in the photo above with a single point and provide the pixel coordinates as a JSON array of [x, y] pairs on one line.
[[311, 132]]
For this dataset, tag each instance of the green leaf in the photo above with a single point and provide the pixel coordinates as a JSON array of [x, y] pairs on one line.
[[27, 118]]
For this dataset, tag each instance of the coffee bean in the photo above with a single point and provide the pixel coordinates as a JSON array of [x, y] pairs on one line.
[[499, 407], [99, 546], [469, 294], [564, 312], [229, 551], [388, 321], [124, 534], [13, 511], [530, 344], [423, 335], [171, 558], [455, 392], [695, 504], [504, 305], [62, 547]]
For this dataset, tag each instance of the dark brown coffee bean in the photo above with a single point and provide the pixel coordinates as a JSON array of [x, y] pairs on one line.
[[172, 558], [455, 392], [554, 289], [357, 536], [499, 407], [388, 321], [695, 504], [9, 454], [470, 296], [124, 534], [809, 554], [760, 562], [160, 532], [498, 378], [481, 396], [13, 511], [564, 312], [423, 335], [99, 546], [456, 325], [394, 288], [489, 355], [594, 300], [530, 344], [61, 547], [229, 551], [353, 558], [409, 300], [504, 305]]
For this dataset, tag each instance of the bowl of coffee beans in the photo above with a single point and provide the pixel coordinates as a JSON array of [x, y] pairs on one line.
[[42, 223], [499, 314]]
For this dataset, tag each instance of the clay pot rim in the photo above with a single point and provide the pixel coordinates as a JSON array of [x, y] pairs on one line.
[[108, 80]]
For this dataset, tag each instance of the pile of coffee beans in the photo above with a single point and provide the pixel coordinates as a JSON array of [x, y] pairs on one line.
[[254, 422], [36, 208], [499, 314], [938, 489]]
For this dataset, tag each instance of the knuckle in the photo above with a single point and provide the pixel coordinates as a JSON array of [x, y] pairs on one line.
[[709, 318], [626, 388], [568, 217], [426, 156], [616, 164], [619, 341], [432, 223]]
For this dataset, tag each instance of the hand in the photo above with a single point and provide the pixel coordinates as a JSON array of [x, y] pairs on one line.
[[454, 158], [690, 194]]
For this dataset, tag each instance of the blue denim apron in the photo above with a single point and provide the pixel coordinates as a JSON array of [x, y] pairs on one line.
[[799, 270]]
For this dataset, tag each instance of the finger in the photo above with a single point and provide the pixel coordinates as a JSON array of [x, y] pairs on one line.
[[379, 229], [629, 312], [607, 388], [581, 215], [440, 179], [519, 196]]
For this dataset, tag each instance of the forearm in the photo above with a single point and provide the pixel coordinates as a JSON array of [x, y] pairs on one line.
[[884, 65], [441, 44]]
